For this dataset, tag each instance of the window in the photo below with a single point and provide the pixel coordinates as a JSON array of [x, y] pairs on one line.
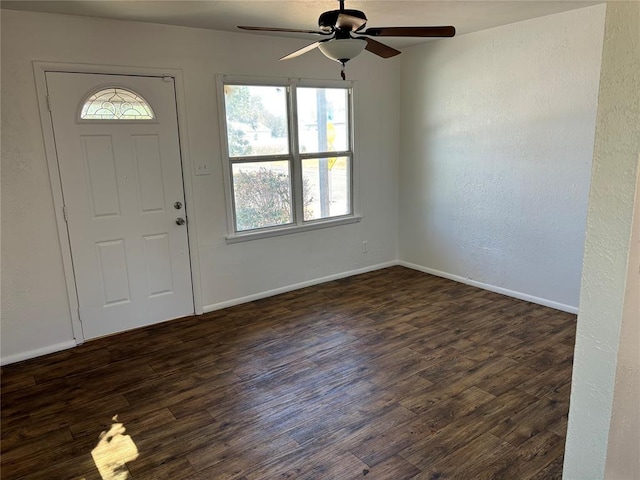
[[116, 104], [288, 155]]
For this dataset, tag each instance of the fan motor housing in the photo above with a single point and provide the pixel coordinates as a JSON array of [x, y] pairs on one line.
[[328, 20]]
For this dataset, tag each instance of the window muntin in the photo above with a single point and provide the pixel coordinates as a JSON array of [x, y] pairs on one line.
[[116, 103], [289, 155]]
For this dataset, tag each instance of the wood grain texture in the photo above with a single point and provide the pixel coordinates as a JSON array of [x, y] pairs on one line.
[[393, 374]]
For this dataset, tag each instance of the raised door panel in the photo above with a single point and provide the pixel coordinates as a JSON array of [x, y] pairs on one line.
[[113, 268], [158, 264], [148, 161], [100, 171]]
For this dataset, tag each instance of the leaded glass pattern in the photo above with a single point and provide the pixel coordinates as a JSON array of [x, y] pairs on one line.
[[116, 103]]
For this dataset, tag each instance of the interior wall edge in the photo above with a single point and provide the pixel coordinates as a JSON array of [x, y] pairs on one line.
[[606, 249]]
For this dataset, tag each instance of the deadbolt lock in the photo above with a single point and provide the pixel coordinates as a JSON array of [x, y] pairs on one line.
[[177, 205]]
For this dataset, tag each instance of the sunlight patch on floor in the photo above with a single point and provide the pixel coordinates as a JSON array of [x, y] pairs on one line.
[[113, 451]]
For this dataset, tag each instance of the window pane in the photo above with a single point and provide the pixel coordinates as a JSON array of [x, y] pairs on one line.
[[325, 187], [323, 119], [256, 120], [262, 192]]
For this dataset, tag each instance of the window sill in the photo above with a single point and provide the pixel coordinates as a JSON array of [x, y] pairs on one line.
[[276, 232]]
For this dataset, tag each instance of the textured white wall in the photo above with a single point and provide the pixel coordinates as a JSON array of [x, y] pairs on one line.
[[606, 257], [496, 146], [623, 452], [35, 311]]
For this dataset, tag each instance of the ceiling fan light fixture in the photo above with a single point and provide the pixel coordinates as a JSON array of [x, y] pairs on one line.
[[343, 49]]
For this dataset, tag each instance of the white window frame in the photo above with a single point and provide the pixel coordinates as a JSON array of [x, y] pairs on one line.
[[294, 157]]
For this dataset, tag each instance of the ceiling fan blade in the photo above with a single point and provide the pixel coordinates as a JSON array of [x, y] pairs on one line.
[[346, 21], [380, 49], [289, 30], [303, 50], [444, 31]]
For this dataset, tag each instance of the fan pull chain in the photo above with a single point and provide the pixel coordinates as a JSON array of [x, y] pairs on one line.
[[344, 77]]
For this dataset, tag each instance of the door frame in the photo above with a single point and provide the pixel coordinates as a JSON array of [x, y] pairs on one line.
[[40, 70]]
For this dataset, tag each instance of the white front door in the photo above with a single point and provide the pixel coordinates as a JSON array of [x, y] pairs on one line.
[[118, 152]]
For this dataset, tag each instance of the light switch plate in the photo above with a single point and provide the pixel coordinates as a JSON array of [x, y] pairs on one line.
[[203, 169]]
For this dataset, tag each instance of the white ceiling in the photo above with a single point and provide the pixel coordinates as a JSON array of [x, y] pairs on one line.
[[467, 16]]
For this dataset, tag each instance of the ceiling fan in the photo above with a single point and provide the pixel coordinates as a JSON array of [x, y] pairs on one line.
[[342, 28]]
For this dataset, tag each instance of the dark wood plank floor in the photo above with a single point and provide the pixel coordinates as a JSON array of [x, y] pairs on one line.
[[393, 374]]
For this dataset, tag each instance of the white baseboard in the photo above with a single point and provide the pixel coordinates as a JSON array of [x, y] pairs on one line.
[[38, 352], [493, 288], [295, 286]]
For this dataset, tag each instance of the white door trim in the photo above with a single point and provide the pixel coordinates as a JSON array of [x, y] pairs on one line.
[[40, 69]]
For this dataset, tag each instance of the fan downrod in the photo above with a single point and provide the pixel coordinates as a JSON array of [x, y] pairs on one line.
[[344, 19]]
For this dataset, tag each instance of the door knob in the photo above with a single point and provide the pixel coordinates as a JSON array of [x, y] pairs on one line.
[[180, 221]]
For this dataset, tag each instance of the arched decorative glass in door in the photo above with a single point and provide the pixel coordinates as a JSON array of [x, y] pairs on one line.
[[116, 103]]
